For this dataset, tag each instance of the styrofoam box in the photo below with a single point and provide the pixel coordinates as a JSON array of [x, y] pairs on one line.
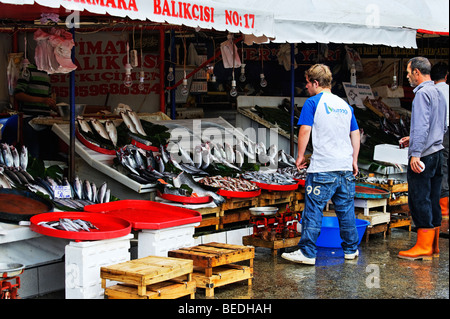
[[391, 154], [83, 261], [160, 241]]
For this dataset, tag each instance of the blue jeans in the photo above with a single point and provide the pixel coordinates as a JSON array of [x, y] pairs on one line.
[[424, 192], [338, 186]]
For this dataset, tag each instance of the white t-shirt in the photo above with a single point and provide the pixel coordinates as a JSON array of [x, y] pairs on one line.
[[332, 120]]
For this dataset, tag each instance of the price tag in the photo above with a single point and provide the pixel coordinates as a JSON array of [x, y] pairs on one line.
[[63, 191]]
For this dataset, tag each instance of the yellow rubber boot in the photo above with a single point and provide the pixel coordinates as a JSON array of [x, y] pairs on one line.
[[423, 249]]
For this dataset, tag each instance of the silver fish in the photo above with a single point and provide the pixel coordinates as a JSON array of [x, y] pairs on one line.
[[24, 157], [128, 122], [7, 156], [112, 131], [185, 158], [206, 158], [4, 182], [87, 190], [229, 153], [239, 158], [102, 192], [98, 126], [107, 196], [159, 161], [94, 192], [197, 156], [78, 187], [187, 179], [137, 122], [84, 125]]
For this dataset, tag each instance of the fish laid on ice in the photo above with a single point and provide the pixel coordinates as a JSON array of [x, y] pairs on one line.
[[196, 188]]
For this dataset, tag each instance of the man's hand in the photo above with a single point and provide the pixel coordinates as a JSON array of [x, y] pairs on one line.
[[404, 142], [415, 165]]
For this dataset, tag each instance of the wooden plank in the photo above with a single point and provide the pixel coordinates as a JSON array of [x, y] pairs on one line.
[[164, 290], [145, 271]]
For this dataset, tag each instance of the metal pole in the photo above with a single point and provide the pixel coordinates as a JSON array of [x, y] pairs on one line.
[[292, 98], [72, 116], [171, 83]]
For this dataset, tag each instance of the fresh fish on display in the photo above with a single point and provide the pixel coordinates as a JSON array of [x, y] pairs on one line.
[[94, 192], [228, 183], [102, 192], [101, 130], [24, 158], [293, 172], [229, 153], [128, 122], [187, 179], [197, 156], [206, 158], [112, 131], [185, 157], [137, 122], [269, 178], [239, 159], [7, 155], [84, 125], [78, 187], [4, 182], [15, 155], [75, 225]]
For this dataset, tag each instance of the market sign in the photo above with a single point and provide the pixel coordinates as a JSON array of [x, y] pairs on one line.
[[221, 15]]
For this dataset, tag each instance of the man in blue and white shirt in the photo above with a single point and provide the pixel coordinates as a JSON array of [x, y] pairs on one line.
[[333, 165]]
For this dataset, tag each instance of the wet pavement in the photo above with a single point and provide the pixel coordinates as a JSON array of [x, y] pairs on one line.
[[376, 274]]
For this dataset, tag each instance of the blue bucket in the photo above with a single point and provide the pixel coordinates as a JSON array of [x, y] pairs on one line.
[[329, 234]]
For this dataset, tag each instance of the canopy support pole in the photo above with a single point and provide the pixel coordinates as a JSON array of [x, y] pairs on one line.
[[292, 148], [162, 103], [72, 116], [172, 60]]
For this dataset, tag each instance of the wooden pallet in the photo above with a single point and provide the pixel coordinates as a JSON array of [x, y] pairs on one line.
[[170, 289], [381, 228], [147, 271], [210, 217], [399, 220], [215, 264], [236, 210], [236, 202], [273, 245], [270, 198]]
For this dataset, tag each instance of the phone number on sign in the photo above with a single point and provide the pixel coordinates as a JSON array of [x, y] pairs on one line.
[[105, 88]]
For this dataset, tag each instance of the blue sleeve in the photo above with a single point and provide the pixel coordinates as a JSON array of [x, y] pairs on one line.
[[353, 124], [307, 114]]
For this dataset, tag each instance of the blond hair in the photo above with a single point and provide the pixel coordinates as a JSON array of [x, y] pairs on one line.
[[320, 73]]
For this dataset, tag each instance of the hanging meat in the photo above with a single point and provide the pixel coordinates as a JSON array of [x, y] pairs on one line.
[[53, 51]]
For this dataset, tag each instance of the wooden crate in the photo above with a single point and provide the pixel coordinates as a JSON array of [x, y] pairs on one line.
[[398, 220], [273, 245], [215, 264], [236, 202], [147, 271], [210, 217], [270, 198], [380, 228], [236, 210], [170, 289]]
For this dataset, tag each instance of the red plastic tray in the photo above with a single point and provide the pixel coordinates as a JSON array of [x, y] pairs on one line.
[[109, 226], [93, 147], [145, 214], [143, 146], [185, 199], [276, 187], [246, 194], [301, 182]]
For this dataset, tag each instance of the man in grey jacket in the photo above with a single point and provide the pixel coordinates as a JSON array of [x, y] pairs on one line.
[[428, 124]]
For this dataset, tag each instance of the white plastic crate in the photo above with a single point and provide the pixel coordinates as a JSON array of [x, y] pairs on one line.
[[160, 241], [391, 154], [83, 261]]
